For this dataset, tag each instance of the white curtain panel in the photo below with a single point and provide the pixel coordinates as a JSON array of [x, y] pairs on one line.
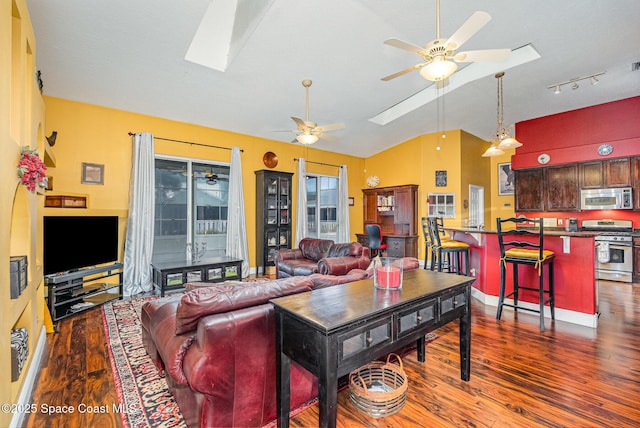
[[237, 244], [138, 245], [344, 229], [301, 207]]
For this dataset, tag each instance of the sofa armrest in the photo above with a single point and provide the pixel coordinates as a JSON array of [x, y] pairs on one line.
[[341, 265]]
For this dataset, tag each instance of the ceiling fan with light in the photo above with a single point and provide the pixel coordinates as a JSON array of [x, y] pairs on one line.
[[309, 132], [440, 55]]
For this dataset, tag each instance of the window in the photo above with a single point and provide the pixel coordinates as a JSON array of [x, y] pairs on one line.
[[441, 205], [190, 207], [322, 206]]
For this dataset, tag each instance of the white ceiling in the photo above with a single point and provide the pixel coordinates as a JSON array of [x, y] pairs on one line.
[[130, 55]]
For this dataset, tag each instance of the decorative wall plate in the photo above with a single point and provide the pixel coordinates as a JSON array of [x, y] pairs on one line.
[[270, 160], [605, 149], [544, 158]]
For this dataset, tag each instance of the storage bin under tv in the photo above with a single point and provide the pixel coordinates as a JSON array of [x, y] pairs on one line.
[[75, 292], [169, 276]]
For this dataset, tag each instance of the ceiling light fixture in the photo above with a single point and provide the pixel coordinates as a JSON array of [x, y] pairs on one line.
[[307, 138], [439, 69], [574, 82], [503, 139]]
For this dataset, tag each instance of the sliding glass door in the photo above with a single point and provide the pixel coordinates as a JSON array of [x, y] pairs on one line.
[[322, 206], [190, 209]]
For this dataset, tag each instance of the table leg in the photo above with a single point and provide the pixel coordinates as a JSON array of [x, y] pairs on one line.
[[283, 375], [420, 345], [465, 344], [328, 387]]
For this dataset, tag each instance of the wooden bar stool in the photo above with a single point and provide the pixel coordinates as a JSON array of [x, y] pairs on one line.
[[515, 250], [429, 253], [451, 249]]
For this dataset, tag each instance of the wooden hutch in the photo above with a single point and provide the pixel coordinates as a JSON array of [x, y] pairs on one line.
[[395, 209]]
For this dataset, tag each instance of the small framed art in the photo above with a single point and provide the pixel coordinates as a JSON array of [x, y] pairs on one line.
[[92, 173], [505, 179]]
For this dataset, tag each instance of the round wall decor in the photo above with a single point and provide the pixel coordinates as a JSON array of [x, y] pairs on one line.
[[373, 181], [270, 160], [605, 149], [544, 158]]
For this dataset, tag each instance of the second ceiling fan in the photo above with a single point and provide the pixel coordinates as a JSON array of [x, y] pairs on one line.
[[440, 55], [309, 132]]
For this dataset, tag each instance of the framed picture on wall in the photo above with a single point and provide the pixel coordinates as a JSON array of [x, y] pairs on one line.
[[505, 179], [92, 173], [441, 178]]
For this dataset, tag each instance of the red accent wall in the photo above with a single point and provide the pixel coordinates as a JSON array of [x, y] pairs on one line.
[[574, 136]]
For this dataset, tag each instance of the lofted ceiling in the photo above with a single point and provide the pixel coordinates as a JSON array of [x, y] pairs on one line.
[[130, 55]]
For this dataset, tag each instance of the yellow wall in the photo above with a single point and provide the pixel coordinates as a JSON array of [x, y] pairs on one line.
[[93, 134], [21, 123]]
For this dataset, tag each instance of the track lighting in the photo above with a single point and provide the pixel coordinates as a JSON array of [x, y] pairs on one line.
[[574, 82]]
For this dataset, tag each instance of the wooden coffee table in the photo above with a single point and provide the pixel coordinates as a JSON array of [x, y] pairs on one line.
[[334, 330], [173, 275]]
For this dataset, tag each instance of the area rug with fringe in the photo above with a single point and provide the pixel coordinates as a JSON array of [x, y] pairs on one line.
[[139, 386]]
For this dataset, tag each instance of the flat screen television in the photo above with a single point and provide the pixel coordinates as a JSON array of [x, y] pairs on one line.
[[75, 242]]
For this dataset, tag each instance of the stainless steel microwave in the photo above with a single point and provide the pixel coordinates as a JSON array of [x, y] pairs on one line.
[[606, 199]]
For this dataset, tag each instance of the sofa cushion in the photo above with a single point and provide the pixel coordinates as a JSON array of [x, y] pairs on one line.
[[315, 249], [297, 267], [205, 301]]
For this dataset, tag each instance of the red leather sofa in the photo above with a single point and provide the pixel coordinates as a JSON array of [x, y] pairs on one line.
[[216, 346], [321, 256]]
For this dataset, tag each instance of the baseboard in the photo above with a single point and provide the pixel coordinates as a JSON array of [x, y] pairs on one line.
[[566, 315], [24, 400]]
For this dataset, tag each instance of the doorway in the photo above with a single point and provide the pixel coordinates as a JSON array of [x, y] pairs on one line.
[[476, 206]]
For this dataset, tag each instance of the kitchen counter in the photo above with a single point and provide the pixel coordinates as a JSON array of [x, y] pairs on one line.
[[575, 281], [547, 232]]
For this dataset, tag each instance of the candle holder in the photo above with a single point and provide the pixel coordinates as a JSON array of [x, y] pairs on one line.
[[387, 273]]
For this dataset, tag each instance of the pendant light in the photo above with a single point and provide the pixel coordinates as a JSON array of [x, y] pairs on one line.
[[503, 139]]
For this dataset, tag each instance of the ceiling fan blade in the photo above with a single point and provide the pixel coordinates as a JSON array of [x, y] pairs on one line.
[[483, 55], [469, 28], [330, 127], [326, 137], [397, 43], [300, 123], [405, 71]]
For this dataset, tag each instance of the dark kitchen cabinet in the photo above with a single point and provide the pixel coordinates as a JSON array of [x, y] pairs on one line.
[[606, 173], [591, 175], [617, 172], [273, 215], [561, 188], [528, 189]]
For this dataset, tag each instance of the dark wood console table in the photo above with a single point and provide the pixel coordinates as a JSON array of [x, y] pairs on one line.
[[173, 275], [334, 330]]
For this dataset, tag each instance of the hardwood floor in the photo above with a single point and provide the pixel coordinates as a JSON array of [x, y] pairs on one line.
[[569, 376]]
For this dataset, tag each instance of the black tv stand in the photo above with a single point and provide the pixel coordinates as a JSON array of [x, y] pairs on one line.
[[70, 293]]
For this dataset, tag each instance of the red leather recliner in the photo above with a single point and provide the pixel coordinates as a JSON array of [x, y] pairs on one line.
[[321, 256]]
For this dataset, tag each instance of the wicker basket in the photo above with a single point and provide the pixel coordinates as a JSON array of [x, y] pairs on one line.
[[379, 389]]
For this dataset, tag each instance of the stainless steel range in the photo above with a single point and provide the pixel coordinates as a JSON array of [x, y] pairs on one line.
[[614, 252]]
